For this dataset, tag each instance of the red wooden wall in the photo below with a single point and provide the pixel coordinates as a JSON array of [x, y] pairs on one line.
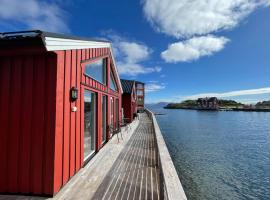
[[42, 141], [129, 105], [27, 113], [69, 143]]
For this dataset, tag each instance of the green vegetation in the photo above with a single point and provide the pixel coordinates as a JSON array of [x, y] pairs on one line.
[[192, 104], [229, 103], [188, 104], [264, 104]]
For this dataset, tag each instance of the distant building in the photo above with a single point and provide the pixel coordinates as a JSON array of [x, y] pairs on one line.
[[129, 98], [140, 95], [208, 103]]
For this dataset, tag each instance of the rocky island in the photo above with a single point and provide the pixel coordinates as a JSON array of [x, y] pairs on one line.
[[215, 104]]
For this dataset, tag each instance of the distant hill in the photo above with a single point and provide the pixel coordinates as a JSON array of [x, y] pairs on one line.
[[263, 104], [192, 104], [184, 104], [229, 103], [156, 105]]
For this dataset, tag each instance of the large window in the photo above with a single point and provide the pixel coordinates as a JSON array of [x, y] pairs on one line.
[[112, 82], [97, 70]]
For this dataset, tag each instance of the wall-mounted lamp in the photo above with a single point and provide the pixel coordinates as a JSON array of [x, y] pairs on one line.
[[73, 94]]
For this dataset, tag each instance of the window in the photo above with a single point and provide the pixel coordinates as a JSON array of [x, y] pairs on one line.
[[117, 113], [139, 86], [139, 92], [104, 116], [112, 82], [112, 113], [97, 70], [89, 124]]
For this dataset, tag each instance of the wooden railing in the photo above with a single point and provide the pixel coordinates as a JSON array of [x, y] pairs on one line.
[[170, 185]]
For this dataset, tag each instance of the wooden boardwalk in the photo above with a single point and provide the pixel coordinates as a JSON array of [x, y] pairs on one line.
[[135, 174], [121, 170]]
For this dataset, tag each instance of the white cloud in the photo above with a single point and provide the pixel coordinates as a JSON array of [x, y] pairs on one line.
[[34, 14], [130, 55], [230, 94], [193, 48], [134, 69], [153, 87], [134, 52], [186, 18]]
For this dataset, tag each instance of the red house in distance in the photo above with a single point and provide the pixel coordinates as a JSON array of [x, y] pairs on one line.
[[140, 95], [58, 95], [129, 98]]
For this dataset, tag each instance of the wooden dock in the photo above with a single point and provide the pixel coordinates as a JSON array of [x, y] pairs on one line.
[[135, 174], [127, 169]]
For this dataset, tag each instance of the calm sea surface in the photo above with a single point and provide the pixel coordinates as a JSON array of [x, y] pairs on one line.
[[219, 155]]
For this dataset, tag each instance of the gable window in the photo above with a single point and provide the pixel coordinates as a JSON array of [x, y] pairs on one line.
[[97, 70], [112, 82]]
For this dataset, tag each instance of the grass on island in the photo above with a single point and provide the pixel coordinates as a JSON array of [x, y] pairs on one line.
[[192, 104]]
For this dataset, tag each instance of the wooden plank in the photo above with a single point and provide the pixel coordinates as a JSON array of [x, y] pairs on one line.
[[25, 147], [38, 125], [72, 116], [58, 154], [49, 142], [91, 54], [78, 121], [83, 54], [5, 91], [66, 136], [14, 125]]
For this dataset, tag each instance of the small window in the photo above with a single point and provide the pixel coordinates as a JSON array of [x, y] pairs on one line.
[[139, 86], [139, 92], [112, 82], [97, 70]]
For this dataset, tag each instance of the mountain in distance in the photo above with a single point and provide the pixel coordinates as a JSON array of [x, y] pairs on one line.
[[156, 105]]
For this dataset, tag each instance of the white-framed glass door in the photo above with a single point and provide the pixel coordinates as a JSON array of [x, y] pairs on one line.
[[104, 117], [89, 123]]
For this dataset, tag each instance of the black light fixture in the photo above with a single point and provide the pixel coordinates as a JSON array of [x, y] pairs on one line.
[[73, 94]]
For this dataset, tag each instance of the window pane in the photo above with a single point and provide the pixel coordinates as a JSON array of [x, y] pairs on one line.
[[139, 92], [104, 115], [89, 123], [97, 70], [112, 83], [112, 113], [139, 86]]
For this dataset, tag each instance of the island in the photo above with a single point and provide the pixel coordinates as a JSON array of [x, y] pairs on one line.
[[215, 104]]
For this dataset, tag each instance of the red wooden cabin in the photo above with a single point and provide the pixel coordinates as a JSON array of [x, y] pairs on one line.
[[129, 104], [58, 95]]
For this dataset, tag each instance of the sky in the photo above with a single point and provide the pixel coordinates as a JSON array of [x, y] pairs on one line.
[[181, 49]]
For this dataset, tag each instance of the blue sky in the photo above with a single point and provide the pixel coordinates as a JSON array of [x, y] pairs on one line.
[[181, 49]]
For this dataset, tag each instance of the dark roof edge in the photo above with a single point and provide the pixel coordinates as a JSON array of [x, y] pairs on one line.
[[42, 34]]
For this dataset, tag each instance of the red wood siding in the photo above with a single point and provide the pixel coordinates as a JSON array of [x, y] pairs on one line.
[[42, 140], [27, 109], [69, 150], [126, 104]]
